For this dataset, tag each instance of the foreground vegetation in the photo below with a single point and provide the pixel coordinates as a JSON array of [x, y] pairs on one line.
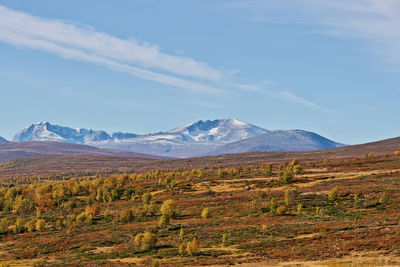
[[264, 214]]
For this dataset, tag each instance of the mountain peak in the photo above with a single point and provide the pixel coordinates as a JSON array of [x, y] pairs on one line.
[[221, 130], [45, 131]]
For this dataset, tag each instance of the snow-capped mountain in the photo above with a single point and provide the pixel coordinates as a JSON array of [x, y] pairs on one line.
[[229, 130], [281, 140], [49, 132], [2, 140], [195, 139], [210, 137]]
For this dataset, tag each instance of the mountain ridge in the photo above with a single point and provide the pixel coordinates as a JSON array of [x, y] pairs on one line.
[[200, 138]]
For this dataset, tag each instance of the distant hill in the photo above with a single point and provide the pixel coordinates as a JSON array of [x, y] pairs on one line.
[[290, 140], [69, 163], [2, 139], [12, 150]]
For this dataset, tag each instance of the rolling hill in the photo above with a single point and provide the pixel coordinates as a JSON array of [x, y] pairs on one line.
[[12, 150]]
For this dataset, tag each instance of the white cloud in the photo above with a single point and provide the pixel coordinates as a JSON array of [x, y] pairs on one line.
[[246, 87], [297, 99], [374, 21], [86, 44], [287, 96], [140, 60]]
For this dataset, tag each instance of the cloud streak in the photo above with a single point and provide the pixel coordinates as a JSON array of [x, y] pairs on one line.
[[374, 21], [141, 60]]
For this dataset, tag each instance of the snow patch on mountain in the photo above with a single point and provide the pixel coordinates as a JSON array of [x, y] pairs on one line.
[[49, 132], [229, 130]]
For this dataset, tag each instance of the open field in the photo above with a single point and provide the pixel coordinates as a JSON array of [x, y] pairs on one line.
[[320, 211]]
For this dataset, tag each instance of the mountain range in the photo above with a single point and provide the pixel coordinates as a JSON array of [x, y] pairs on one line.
[[201, 138]]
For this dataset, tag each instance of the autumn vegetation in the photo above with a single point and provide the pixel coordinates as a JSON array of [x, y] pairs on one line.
[[299, 210]]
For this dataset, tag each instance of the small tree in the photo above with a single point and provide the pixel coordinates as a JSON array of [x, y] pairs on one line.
[[192, 247], [297, 169], [272, 207], [317, 210], [264, 228], [224, 239], [84, 219], [40, 225], [126, 216], [287, 177], [145, 241], [299, 208], [280, 172], [19, 225], [146, 198], [59, 225], [149, 241], [287, 197], [268, 169], [31, 225], [281, 210], [205, 213], [181, 233], [169, 208], [150, 209], [164, 220], [370, 156], [384, 198], [182, 248], [155, 263], [3, 225], [333, 194], [137, 242]]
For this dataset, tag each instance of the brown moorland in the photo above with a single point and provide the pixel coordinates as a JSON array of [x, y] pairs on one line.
[[76, 164], [327, 208]]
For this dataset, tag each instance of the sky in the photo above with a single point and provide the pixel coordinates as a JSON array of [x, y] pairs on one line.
[[331, 67]]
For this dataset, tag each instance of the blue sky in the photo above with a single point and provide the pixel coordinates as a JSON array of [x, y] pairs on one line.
[[143, 66]]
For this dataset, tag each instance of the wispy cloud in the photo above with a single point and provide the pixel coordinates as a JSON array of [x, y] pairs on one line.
[[293, 98], [139, 59], [374, 21], [77, 42], [246, 87], [272, 90]]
